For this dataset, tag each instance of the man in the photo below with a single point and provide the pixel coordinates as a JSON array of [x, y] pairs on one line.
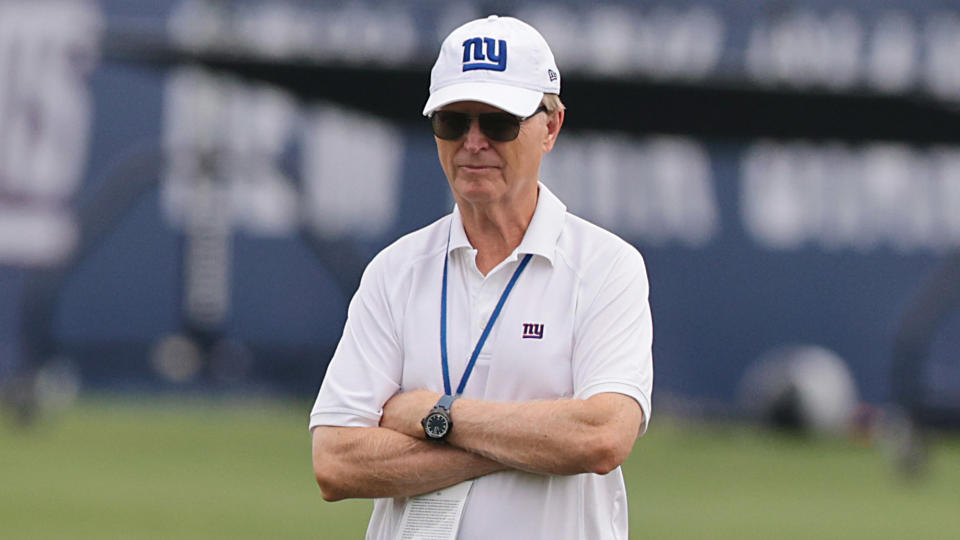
[[509, 343]]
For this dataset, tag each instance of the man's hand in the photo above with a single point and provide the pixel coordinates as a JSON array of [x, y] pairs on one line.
[[404, 411]]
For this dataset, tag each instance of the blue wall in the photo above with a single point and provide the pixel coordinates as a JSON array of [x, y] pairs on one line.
[[718, 303]]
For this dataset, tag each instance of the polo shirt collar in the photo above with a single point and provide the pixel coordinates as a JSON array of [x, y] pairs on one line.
[[542, 233]]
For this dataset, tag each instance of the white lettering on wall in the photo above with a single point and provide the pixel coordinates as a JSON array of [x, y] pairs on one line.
[[892, 53], [664, 42], [354, 31], [837, 197], [801, 48], [226, 139], [46, 50], [654, 190], [943, 49], [220, 131], [889, 49], [351, 169]]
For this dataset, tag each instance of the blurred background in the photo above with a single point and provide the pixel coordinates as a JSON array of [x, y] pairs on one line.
[[190, 190]]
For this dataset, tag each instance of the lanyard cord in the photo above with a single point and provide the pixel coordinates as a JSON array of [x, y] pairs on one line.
[[486, 331]]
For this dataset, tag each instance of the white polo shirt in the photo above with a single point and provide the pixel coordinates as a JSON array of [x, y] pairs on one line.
[[584, 288]]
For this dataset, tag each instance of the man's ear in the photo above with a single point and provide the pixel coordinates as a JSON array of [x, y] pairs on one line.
[[554, 123]]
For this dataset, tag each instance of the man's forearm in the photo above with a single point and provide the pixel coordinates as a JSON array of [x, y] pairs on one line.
[[564, 436], [378, 462]]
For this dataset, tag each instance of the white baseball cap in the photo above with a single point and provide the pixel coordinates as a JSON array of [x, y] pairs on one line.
[[500, 61]]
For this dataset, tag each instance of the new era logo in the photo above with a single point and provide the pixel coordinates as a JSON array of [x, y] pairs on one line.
[[489, 53], [532, 331], [552, 75]]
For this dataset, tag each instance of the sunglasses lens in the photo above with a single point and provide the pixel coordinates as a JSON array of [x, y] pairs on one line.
[[500, 127], [450, 125]]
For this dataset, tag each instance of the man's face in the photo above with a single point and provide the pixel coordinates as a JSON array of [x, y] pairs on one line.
[[481, 170]]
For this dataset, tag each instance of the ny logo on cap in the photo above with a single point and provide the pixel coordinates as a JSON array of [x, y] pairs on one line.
[[496, 54]]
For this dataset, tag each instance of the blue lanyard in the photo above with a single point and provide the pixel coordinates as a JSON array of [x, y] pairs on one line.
[[486, 330]]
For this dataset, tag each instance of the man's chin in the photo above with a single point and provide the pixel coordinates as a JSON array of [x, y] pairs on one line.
[[478, 187]]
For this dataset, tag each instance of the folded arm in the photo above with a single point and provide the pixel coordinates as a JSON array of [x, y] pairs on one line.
[[351, 462], [564, 436]]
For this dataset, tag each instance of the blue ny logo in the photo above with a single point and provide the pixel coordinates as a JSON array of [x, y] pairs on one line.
[[496, 58]]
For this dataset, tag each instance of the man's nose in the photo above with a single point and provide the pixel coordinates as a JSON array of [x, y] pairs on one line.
[[475, 140]]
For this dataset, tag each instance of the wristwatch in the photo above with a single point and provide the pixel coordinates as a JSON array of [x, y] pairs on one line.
[[437, 424]]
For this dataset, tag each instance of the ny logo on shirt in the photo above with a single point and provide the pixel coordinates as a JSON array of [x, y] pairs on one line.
[[532, 330]]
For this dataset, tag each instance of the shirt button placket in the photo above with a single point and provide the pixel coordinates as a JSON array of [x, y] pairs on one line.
[[485, 306]]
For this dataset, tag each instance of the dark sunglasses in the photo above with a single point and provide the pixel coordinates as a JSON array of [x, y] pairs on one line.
[[496, 126]]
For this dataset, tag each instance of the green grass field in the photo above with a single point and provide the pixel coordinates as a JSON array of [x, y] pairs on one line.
[[116, 468]]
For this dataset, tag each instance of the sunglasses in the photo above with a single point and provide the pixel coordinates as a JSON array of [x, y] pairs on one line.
[[496, 126]]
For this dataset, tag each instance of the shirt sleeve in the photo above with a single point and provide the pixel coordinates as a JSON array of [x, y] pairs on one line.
[[366, 367], [614, 334]]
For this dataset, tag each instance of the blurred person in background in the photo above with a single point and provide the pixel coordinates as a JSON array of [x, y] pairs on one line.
[[495, 368], [937, 299]]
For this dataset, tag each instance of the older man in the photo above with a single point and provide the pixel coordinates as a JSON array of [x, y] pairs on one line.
[[495, 368]]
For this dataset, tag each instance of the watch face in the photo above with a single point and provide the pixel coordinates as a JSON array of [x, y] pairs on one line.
[[436, 425]]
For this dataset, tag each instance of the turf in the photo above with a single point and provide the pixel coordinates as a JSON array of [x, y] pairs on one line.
[[187, 469]]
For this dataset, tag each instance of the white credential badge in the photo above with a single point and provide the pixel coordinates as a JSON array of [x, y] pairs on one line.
[[435, 515]]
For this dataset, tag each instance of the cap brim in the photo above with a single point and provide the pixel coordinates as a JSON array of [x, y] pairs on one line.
[[518, 101]]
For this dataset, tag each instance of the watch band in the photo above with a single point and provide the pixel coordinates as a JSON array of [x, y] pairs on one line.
[[446, 401]]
